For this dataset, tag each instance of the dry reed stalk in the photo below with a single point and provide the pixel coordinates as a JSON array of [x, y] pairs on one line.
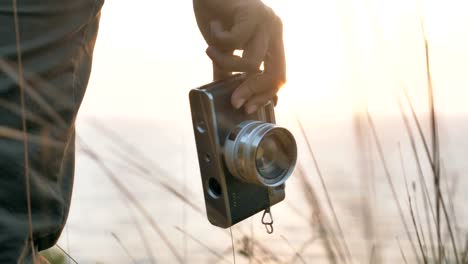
[[30, 116], [451, 192], [296, 211], [205, 246], [6, 132], [389, 179], [121, 187], [365, 169], [373, 255], [185, 193], [401, 251], [302, 248], [419, 223], [7, 68], [318, 215], [421, 247], [435, 144], [402, 164], [141, 233], [329, 202], [438, 190], [141, 171], [464, 255], [425, 192], [66, 254], [21, 84], [266, 252], [232, 246], [138, 166], [133, 154], [296, 253], [125, 249]]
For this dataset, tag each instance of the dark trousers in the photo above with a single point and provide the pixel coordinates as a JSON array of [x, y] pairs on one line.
[[56, 40]]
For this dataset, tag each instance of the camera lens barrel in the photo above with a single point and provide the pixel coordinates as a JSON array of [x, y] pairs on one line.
[[260, 153]]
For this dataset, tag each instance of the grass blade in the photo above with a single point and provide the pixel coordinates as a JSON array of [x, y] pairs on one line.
[[123, 247], [312, 200], [121, 187], [212, 251], [442, 202], [327, 195], [401, 251], [389, 179], [296, 253]]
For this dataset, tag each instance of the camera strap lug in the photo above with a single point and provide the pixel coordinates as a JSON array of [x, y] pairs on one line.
[[267, 220]]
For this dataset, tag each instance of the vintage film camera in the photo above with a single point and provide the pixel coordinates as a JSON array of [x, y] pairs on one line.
[[244, 159]]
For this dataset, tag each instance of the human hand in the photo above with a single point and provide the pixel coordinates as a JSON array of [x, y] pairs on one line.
[[246, 25]]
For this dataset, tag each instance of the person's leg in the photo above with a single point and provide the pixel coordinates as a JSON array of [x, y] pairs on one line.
[[56, 39]]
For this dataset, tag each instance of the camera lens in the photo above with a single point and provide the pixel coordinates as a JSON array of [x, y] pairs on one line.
[[272, 158], [260, 153]]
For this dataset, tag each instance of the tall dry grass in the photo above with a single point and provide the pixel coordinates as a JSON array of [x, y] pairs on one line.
[[424, 233]]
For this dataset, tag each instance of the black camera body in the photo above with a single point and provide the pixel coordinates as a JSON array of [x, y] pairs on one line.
[[229, 198]]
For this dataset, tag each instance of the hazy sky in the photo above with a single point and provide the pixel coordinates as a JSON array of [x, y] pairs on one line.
[[340, 53]]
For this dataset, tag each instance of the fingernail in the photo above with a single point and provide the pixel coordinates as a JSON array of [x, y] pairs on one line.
[[238, 103], [251, 109]]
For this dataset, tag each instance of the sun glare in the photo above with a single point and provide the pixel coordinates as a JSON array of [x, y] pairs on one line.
[[344, 56], [341, 56]]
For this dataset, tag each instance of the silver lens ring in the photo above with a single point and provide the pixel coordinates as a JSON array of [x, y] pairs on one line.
[[260, 153]]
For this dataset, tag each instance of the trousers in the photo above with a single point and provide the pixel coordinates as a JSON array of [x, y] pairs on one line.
[[46, 50]]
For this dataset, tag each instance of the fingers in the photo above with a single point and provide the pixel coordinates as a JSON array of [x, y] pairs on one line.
[[228, 62], [255, 29], [256, 49], [244, 91], [258, 101], [254, 53], [254, 93], [275, 61], [245, 22], [219, 73], [258, 89]]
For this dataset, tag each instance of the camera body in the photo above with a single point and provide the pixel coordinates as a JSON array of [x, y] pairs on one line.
[[229, 198]]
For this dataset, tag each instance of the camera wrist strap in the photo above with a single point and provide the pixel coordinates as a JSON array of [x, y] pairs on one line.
[[267, 220]]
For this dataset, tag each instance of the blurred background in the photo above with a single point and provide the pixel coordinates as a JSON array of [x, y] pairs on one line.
[[349, 65]]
